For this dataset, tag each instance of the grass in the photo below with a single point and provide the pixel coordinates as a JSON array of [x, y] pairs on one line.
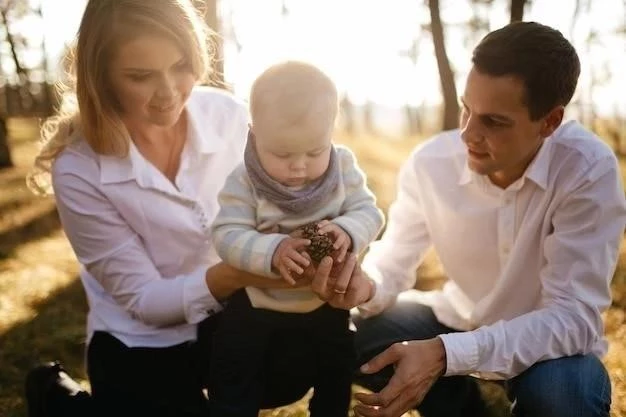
[[42, 304]]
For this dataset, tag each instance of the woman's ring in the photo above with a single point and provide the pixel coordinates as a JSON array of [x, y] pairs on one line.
[[339, 291]]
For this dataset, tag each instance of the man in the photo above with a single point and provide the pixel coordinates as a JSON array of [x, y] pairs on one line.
[[526, 214]]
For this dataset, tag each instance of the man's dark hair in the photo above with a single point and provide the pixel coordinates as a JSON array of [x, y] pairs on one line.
[[539, 56]]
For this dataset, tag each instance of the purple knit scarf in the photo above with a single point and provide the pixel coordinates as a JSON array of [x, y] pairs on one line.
[[287, 199]]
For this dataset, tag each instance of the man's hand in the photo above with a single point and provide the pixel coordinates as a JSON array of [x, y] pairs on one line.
[[288, 259], [418, 364], [346, 289], [341, 239]]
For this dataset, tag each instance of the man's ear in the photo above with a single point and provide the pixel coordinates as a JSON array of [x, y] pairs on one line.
[[552, 121]]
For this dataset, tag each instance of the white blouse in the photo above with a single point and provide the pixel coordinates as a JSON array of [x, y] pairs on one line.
[[143, 243]]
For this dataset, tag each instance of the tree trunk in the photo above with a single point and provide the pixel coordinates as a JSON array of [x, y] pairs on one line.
[[446, 75], [413, 122], [517, 10], [5, 153], [19, 69]]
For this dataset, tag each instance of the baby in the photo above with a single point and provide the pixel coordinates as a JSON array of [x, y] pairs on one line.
[[292, 175]]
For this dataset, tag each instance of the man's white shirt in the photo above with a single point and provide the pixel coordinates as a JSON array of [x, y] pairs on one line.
[[528, 266]]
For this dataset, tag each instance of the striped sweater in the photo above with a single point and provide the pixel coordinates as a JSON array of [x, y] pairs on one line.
[[244, 215]]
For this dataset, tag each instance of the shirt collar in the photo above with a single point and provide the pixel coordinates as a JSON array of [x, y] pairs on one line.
[[202, 138], [537, 171], [132, 167], [114, 169]]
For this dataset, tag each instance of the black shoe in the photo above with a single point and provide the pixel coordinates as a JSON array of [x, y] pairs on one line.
[[47, 386]]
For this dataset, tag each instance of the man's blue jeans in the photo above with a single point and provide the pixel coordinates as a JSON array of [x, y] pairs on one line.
[[567, 387]]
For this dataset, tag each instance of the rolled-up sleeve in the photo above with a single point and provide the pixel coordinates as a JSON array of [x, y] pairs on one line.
[[116, 257]]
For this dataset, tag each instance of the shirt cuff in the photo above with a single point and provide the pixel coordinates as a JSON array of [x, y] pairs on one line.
[[198, 301], [378, 302], [461, 353]]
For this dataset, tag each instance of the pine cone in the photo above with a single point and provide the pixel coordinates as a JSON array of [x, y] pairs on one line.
[[321, 245]]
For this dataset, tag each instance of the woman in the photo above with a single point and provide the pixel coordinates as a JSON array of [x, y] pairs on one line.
[[136, 168]]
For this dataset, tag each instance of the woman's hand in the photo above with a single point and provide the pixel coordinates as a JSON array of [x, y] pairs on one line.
[[223, 280], [346, 288]]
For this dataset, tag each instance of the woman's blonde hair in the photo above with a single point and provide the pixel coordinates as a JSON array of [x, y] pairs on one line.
[[88, 106]]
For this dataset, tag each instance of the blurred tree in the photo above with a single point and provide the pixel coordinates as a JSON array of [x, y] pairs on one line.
[[446, 75], [600, 72], [517, 10], [5, 152], [412, 113], [574, 19], [616, 128], [347, 114], [578, 101], [368, 118], [25, 89], [6, 6], [592, 39], [13, 39], [479, 23]]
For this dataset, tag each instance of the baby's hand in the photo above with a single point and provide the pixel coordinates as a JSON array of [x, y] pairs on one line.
[[341, 239], [287, 258]]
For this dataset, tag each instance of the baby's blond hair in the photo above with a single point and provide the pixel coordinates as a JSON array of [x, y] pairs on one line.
[[293, 93]]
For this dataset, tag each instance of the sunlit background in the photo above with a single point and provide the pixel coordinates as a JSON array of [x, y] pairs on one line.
[[381, 55], [379, 52]]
